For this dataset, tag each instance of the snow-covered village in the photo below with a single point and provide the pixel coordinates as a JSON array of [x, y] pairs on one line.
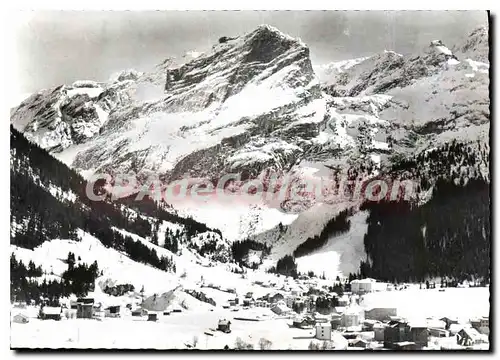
[[276, 183]]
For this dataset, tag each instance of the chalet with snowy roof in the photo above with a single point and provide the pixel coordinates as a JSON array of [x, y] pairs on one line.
[[280, 308], [276, 297], [367, 285], [396, 332], [481, 324], [323, 331], [51, 313], [112, 311], [419, 333], [449, 321], [437, 332], [353, 317], [380, 314], [85, 308], [20, 319], [224, 325], [139, 312], [405, 345], [358, 343], [378, 331], [469, 336]]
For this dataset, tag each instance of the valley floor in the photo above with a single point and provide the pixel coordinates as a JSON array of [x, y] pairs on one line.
[[181, 330]]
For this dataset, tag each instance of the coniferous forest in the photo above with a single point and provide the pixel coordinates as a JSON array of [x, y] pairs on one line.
[[37, 215], [447, 236]]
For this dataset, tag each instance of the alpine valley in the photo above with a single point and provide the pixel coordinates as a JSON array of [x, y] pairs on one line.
[[253, 105]]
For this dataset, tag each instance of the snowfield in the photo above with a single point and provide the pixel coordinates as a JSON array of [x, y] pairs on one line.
[[416, 304]]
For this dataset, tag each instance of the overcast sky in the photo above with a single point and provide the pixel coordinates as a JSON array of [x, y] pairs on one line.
[[61, 47]]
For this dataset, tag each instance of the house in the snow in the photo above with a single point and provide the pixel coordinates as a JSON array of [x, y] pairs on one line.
[[336, 320], [20, 319], [224, 325], [378, 331], [369, 324], [275, 298], [449, 321], [481, 324], [438, 332], [396, 332], [366, 286], [323, 331], [353, 318], [406, 345], [51, 313], [419, 333], [85, 308], [358, 343], [380, 314], [344, 300], [469, 336], [112, 311], [139, 312], [280, 308]]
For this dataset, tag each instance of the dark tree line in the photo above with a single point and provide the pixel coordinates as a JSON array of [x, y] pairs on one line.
[[334, 227], [172, 240], [286, 266], [78, 280], [326, 305], [240, 249], [38, 216], [450, 235]]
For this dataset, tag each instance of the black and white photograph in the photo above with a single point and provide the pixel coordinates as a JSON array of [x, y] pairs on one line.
[[251, 180]]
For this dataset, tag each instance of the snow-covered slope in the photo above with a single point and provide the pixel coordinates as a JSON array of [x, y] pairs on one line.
[[254, 104]]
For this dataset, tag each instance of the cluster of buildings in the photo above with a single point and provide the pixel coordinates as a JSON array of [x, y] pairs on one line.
[[381, 328]]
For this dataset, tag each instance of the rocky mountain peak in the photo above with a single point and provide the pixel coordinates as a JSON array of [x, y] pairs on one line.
[[475, 45]]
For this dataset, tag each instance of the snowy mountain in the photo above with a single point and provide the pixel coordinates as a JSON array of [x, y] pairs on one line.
[[254, 104]]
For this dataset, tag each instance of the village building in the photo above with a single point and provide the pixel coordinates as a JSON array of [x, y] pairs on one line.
[[152, 316], [273, 299], [51, 313], [437, 332], [353, 318], [481, 324], [112, 311], [449, 321], [405, 345], [366, 286], [435, 323], [336, 320], [380, 314], [323, 331], [378, 330], [224, 325], [303, 322], [340, 309], [344, 300], [280, 308], [85, 308], [139, 312], [419, 333], [358, 343], [20, 319], [368, 324], [396, 332], [469, 336]]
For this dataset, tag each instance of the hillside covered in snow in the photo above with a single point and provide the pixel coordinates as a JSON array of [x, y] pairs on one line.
[[255, 105]]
